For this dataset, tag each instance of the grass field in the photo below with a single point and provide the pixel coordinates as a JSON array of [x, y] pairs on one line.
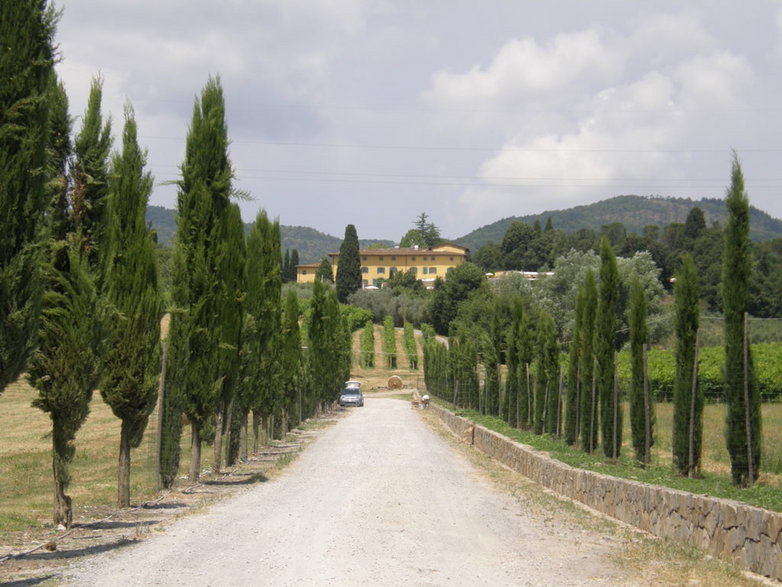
[[26, 462]]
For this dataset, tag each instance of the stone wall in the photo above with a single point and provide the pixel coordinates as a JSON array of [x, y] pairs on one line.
[[747, 536]]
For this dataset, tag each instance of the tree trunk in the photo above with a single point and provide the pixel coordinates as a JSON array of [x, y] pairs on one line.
[[256, 431], [228, 424], [647, 411], [243, 439], [63, 509], [284, 423], [123, 467], [266, 429], [692, 465], [195, 454], [218, 440]]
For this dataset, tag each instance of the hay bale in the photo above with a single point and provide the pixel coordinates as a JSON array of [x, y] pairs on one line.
[[395, 382]]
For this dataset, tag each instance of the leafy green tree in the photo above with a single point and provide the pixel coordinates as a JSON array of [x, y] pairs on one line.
[[516, 247], [27, 74], [425, 234], [687, 395], [488, 257], [589, 398], [641, 406], [132, 365], [349, 266], [744, 420], [460, 282], [325, 272], [605, 352]]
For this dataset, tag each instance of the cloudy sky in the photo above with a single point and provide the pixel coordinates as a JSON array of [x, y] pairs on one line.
[[372, 111]]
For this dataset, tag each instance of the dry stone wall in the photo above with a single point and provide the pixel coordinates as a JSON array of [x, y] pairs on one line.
[[748, 536]]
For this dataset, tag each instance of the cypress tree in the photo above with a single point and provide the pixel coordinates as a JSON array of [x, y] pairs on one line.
[[368, 346], [573, 392], [27, 74], [290, 363], [324, 272], [640, 404], [512, 356], [321, 356], [202, 202], [605, 352], [687, 396], [65, 367], [349, 266], [547, 381], [267, 310], [232, 290], [131, 368], [286, 266], [589, 398], [743, 397], [294, 263]]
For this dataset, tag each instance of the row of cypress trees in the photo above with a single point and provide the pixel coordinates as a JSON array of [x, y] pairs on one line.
[[578, 398], [80, 305]]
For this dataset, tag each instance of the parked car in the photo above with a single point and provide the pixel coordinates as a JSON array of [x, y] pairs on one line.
[[351, 396]]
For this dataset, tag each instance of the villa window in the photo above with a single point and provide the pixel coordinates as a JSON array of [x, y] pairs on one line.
[[425, 271], [381, 270], [365, 270], [432, 270]]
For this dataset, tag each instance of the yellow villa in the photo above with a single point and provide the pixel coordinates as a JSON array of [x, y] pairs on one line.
[[380, 264]]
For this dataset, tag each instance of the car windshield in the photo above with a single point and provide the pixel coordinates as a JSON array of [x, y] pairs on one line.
[[351, 391]]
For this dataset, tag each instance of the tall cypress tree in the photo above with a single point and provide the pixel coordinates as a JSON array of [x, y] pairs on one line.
[[573, 392], [605, 352], [589, 398], [349, 266], [641, 418], [232, 290], [202, 202], [131, 368], [547, 380], [687, 396], [512, 359], [27, 74], [290, 363], [267, 309], [743, 397]]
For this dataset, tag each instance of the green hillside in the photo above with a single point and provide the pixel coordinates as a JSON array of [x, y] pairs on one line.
[[312, 244], [634, 212]]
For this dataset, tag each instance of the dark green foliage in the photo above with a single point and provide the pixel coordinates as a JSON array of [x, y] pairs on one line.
[[605, 352], [27, 74], [589, 398], [65, 368], [460, 282], [132, 361], [641, 415], [325, 272], [425, 234], [389, 342], [203, 201], [327, 345], [90, 175], [741, 393], [513, 383], [687, 394], [546, 404], [368, 346], [291, 384], [463, 377], [573, 389], [348, 278]]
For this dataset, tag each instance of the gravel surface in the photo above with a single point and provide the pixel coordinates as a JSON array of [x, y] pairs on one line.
[[378, 499]]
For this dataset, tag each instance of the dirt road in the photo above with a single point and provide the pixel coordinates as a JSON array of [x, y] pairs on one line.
[[378, 499]]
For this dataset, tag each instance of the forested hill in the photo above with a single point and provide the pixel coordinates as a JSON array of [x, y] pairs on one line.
[[634, 212], [311, 244]]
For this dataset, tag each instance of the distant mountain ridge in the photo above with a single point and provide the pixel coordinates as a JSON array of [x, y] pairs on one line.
[[634, 212], [311, 244]]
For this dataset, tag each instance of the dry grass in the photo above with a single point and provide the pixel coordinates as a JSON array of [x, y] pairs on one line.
[[25, 462]]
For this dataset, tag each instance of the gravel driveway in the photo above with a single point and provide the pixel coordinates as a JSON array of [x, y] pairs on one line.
[[377, 499]]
